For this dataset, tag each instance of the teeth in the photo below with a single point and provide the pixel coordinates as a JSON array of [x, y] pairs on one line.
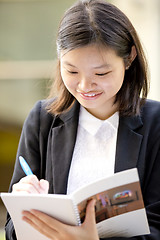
[[90, 95]]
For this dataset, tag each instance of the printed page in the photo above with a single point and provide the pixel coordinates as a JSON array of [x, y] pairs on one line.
[[119, 203], [59, 206], [118, 179], [129, 224]]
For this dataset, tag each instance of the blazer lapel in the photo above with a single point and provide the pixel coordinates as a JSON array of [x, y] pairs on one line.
[[128, 143], [63, 138], [62, 144]]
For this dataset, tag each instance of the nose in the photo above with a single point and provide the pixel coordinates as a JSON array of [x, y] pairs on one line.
[[86, 84]]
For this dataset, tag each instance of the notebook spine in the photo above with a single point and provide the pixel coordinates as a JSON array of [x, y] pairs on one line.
[[77, 213]]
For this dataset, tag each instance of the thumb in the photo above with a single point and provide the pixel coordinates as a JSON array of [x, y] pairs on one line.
[[44, 184], [90, 213]]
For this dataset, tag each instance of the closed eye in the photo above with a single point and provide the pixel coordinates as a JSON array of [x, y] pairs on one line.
[[72, 72], [101, 74]]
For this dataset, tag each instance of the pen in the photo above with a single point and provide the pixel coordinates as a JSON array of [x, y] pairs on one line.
[[25, 166]]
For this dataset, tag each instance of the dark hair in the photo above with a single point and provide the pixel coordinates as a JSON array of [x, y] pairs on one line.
[[96, 21]]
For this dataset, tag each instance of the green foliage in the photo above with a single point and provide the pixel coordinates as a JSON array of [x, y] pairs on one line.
[[8, 146], [2, 237]]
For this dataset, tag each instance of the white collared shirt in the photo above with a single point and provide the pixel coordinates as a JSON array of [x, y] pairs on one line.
[[94, 153]]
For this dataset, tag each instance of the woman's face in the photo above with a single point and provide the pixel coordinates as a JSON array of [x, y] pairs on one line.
[[93, 75]]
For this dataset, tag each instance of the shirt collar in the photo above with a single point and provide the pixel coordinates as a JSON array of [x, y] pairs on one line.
[[93, 124]]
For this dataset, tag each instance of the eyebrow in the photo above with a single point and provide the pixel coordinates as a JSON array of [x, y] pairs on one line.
[[69, 64], [106, 65]]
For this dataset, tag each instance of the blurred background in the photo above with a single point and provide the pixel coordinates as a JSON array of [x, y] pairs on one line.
[[27, 54]]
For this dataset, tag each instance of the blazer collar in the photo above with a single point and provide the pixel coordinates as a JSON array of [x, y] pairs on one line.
[[73, 112], [128, 143], [62, 141]]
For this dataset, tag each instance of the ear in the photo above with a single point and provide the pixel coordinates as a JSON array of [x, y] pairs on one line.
[[131, 57], [133, 54]]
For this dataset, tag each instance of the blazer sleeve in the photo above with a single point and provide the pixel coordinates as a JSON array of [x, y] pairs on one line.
[[151, 194], [29, 149]]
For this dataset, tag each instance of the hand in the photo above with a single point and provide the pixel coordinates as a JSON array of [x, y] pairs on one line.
[[31, 184], [56, 230]]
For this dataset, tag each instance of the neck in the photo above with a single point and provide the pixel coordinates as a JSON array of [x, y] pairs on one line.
[[103, 115]]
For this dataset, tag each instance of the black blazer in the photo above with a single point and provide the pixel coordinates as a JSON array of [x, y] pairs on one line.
[[47, 142]]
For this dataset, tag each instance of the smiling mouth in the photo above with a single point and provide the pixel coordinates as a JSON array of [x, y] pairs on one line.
[[89, 95]]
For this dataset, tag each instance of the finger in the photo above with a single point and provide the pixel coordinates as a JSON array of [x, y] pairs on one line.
[[32, 180], [89, 223], [23, 187], [44, 185], [90, 213], [29, 184], [50, 221], [38, 224]]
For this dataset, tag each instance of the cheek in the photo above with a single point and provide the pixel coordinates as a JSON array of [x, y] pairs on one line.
[[68, 82], [64, 78], [114, 82], [119, 78]]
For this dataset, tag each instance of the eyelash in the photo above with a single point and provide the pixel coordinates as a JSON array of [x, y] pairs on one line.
[[98, 74], [72, 72], [101, 74]]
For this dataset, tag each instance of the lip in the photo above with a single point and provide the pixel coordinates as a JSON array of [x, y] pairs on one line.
[[90, 95]]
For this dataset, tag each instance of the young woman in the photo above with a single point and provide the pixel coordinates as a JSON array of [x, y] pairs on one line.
[[99, 123]]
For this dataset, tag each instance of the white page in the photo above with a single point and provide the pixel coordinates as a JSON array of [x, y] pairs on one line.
[[117, 179], [45, 203]]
